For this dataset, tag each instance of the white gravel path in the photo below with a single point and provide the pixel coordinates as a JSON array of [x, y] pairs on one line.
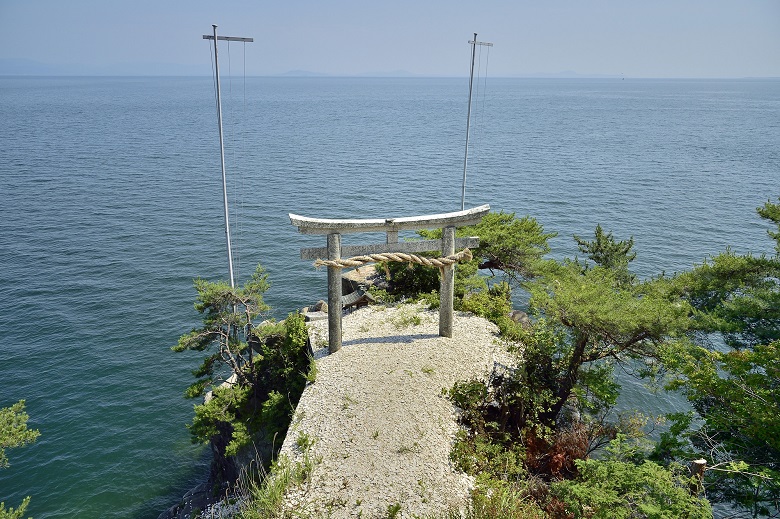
[[381, 426]]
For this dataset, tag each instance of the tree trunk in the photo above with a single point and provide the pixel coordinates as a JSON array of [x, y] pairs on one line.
[[568, 381], [696, 469]]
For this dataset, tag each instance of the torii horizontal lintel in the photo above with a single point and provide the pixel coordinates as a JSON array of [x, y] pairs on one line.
[[307, 225], [407, 247]]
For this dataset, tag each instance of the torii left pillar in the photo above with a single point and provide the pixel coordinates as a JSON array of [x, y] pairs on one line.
[[334, 293]]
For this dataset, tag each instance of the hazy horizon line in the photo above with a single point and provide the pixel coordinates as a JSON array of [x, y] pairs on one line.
[[11, 67], [388, 76]]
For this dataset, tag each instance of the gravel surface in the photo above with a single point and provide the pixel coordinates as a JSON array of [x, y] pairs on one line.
[[382, 430]]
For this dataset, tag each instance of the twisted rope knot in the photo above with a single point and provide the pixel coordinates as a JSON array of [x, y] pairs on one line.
[[357, 261]]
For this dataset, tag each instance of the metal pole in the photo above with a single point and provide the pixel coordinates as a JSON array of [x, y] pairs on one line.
[[474, 44], [468, 124], [222, 156]]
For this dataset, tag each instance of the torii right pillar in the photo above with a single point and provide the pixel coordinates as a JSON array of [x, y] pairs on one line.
[[447, 289]]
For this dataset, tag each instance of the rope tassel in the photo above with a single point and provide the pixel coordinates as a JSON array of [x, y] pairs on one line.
[[357, 261]]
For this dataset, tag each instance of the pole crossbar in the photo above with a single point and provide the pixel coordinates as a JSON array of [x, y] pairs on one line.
[[228, 38]]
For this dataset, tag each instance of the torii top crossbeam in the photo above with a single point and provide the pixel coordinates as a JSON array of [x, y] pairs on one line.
[[308, 225]]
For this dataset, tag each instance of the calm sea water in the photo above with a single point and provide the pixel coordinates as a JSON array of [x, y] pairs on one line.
[[111, 205]]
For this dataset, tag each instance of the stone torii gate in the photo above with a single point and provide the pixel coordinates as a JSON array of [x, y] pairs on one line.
[[334, 251]]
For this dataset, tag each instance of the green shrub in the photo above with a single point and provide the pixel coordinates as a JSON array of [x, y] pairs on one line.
[[615, 489], [493, 304], [266, 495], [265, 404], [14, 433], [14, 513], [500, 501], [410, 279]]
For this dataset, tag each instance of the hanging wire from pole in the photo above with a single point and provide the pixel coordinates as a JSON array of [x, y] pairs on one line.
[[235, 182], [485, 150], [477, 150], [240, 185], [476, 119], [484, 80], [230, 134], [473, 44]]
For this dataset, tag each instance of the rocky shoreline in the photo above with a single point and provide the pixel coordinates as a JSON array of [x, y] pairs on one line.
[[376, 419]]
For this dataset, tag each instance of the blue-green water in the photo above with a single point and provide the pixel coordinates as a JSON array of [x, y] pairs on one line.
[[111, 205]]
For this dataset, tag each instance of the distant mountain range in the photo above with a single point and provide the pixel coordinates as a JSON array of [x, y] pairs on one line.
[[25, 67], [392, 73]]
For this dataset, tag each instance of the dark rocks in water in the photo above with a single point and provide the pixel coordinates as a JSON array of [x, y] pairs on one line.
[[195, 500], [224, 472], [361, 279], [520, 317]]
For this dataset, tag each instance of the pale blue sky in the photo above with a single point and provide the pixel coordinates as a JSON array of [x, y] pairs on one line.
[[658, 38]]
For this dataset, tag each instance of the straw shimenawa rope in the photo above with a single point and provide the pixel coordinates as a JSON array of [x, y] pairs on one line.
[[356, 261]]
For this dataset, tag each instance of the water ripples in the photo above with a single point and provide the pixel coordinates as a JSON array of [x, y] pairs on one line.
[[113, 205]]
